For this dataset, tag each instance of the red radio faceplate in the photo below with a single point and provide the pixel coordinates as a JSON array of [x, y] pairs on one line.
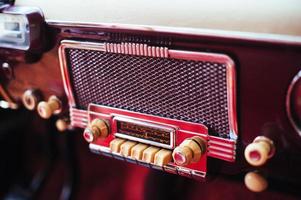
[[178, 131]]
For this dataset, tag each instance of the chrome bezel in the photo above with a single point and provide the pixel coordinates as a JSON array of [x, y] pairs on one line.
[[171, 131]]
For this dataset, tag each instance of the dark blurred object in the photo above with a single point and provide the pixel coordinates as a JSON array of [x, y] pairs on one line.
[[12, 131], [3, 2], [32, 150]]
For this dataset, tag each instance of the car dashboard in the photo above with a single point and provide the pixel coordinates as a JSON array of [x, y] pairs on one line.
[[140, 100]]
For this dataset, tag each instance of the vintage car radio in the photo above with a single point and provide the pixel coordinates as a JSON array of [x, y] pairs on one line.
[[163, 108], [185, 101]]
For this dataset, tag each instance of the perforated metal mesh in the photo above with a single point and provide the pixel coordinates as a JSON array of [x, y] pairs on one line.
[[178, 89]]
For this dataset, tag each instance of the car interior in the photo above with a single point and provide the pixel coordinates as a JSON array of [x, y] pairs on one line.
[[150, 100]]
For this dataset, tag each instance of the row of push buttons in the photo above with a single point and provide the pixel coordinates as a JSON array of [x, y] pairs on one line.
[[142, 152]]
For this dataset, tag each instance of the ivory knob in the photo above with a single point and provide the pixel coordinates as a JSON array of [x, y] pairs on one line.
[[47, 109], [189, 151], [182, 155], [255, 182], [30, 99], [61, 125], [259, 151], [97, 129]]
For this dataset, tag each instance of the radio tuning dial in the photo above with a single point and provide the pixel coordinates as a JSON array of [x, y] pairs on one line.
[[189, 151], [97, 129]]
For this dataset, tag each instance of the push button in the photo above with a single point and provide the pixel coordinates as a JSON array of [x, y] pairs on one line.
[[125, 148], [163, 157], [149, 154], [116, 144], [137, 151]]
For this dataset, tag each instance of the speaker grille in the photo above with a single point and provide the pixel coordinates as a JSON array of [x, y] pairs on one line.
[[186, 90]]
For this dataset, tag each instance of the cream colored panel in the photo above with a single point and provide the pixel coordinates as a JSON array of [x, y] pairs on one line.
[[261, 16]]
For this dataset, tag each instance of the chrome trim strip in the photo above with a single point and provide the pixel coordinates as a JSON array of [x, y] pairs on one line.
[[211, 142], [99, 148], [220, 148], [78, 118], [184, 171], [220, 155], [288, 102], [137, 49], [198, 175], [177, 54], [215, 148], [255, 37]]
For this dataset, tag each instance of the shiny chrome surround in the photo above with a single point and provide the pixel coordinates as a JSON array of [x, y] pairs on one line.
[[288, 102], [176, 54], [171, 131]]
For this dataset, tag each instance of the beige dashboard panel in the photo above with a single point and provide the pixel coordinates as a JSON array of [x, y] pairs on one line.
[[268, 16]]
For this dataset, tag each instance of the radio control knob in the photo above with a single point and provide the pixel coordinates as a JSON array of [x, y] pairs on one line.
[[52, 106], [259, 151], [189, 151], [97, 129], [30, 99], [62, 125], [255, 182]]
